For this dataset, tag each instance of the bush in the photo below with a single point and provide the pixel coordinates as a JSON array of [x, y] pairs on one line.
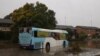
[[82, 36], [5, 35]]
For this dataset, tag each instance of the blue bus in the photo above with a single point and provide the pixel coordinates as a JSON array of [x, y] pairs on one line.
[[37, 38]]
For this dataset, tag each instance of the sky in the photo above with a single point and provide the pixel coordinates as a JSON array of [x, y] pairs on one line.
[[68, 12]]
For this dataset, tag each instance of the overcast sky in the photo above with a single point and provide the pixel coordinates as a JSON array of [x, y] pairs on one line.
[[68, 12]]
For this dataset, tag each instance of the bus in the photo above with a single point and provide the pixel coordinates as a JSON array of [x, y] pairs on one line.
[[37, 38]]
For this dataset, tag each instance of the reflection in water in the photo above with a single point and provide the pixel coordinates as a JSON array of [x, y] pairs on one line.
[[22, 52], [27, 53], [90, 44]]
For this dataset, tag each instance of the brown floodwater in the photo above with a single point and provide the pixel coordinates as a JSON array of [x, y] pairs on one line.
[[22, 52], [91, 49]]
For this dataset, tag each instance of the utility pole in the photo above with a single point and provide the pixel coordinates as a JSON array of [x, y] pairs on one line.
[[91, 21], [65, 20], [90, 37]]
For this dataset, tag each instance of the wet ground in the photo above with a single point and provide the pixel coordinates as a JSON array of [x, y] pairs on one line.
[[91, 50], [23, 52]]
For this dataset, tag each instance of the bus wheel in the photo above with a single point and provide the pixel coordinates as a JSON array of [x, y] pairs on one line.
[[64, 44], [47, 48]]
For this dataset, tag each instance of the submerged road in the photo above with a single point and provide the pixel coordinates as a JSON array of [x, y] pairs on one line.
[[23, 52]]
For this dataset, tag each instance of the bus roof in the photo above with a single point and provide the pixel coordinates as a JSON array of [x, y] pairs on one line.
[[49, 30]]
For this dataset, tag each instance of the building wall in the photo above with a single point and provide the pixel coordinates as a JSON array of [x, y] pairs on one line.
[[89, 32], [5, 29], [5, 26]]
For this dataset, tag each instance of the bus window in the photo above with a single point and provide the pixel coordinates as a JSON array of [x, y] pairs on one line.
[[35, 33], [25, 30], [62, 36], [21, 30], [58, 36], [43, 34], [66, 36], [28, 30], [55, 36]]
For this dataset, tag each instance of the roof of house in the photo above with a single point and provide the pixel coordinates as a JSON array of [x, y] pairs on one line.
[[5, 21], [87, 27]]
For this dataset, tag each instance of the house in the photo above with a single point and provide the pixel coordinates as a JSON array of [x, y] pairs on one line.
[[5, 24], [89, 30]]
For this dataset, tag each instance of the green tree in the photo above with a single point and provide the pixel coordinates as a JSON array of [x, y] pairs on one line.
[[37, 15], [7, 16], [70, 33], [82, 36]]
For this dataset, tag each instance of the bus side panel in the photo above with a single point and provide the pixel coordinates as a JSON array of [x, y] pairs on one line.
[[55, 43], [38, 42], [61, 43], [49, 40]]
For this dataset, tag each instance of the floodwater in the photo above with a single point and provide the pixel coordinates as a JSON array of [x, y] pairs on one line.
[[90, 51], [22, 52]]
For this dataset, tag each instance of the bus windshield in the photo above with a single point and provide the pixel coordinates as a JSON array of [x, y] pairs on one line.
[[28, 30]]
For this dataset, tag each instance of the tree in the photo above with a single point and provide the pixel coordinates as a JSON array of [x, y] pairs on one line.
[[82, 36], [7, 16], [70, 33], [37, 15]]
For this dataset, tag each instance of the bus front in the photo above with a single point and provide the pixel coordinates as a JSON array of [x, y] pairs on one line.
[[25, 37]]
